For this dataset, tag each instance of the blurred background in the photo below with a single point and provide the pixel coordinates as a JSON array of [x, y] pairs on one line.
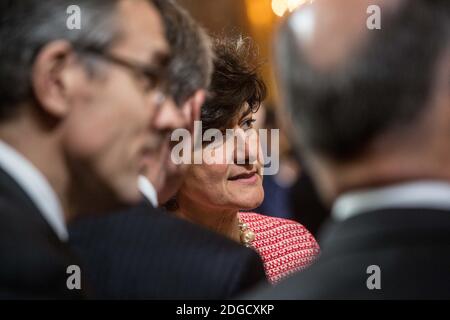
[[255, 18], [290, 193]]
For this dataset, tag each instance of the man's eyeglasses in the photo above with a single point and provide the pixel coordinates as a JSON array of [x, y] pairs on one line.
[[153, 78]]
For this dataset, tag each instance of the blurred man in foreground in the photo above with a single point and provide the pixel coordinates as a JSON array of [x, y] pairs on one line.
[[75, 111], [371, 111]]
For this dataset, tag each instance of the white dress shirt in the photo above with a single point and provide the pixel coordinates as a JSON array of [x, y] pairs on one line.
[[148, 190], [418, 194], [36, 186]]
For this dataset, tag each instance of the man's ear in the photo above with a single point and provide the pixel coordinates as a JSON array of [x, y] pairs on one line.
[[193, 107], [197, 103], [51, 75]]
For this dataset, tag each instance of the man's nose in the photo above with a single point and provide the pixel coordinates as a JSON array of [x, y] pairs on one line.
[[169, 117]]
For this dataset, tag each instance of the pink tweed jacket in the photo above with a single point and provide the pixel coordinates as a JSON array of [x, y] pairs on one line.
[[285, 246]]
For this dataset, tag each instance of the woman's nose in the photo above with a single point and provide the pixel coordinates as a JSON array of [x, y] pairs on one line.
[[246, 147]]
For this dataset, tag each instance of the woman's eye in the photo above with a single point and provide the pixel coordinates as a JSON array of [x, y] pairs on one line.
[[248, 124]]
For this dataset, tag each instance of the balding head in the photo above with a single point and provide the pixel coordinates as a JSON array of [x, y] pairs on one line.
[[345, 84], [330, 31], [346, 87]]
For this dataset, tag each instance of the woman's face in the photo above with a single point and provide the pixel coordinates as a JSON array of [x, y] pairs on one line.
[[227, 186]]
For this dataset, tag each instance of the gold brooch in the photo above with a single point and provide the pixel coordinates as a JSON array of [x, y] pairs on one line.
[[247, 235]]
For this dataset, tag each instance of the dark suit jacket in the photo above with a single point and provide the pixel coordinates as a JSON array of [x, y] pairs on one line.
[[144, 253], [411, 248], [33, 261]]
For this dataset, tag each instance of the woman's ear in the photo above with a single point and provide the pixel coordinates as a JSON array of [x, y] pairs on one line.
[[50, 77]]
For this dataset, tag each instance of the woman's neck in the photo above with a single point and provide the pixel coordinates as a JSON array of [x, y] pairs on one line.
[[224, 222]]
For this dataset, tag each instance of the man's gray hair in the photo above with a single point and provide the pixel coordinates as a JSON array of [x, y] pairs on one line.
[[26, 26], [192, 63]]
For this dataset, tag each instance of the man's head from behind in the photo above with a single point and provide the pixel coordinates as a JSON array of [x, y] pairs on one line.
[[79, 103], [369, 107], [189, 76]]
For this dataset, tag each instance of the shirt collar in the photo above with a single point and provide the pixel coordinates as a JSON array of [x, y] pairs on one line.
[[419, 194], [148, 190], [36, 186]]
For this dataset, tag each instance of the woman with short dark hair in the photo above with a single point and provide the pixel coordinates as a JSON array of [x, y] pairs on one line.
[[215, 195]]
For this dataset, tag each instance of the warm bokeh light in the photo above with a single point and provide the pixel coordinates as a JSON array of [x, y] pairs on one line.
[[259, 12], [279, 7], [293, 4]]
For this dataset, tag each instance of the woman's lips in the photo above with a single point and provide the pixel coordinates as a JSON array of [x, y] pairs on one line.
[[248, 178]]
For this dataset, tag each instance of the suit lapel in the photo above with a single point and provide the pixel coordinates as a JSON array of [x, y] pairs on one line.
[[11, 192]]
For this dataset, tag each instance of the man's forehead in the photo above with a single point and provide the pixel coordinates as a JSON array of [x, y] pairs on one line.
[[142, 30], [328, 31]]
